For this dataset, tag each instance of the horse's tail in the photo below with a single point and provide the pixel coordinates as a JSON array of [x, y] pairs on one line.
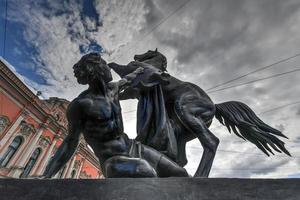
[[239, 118]]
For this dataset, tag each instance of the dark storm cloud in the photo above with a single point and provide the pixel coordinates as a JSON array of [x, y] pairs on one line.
[[215, 41], [228, 33], [210, 19], [280, 127], [298, 111], [221, 25], [206, 42], [154, 14]]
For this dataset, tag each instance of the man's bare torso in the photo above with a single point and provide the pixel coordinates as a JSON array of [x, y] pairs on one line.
[[101, 124]]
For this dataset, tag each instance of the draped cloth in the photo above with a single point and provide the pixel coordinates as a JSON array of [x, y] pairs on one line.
[[153, 125]]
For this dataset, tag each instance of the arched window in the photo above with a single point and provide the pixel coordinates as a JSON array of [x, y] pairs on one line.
[[10, 152], [32, 160], [73, 173]]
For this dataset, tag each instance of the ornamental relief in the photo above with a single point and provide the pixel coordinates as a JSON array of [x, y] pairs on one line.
[[26, 129], [77, 164], [84, 175], [44, 141], [60, 117], [4, 122]]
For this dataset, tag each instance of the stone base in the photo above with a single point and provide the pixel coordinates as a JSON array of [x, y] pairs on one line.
[[150, 189]]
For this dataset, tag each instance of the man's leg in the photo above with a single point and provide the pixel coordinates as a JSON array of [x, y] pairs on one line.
[[122, 166], [167, 168], [163, 165]]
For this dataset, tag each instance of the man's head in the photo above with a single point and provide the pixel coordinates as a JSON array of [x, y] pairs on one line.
[[92, 67]]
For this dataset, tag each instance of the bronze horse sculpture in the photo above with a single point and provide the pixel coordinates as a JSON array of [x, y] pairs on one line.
[[96, 114], [190, 112]]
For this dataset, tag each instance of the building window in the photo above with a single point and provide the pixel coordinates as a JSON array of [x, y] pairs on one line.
[[11, 150], [73, 173], [31, 162]]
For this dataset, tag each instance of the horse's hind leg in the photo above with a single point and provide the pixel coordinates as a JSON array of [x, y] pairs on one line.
[[187, 116], [210, 144], [181, 159]]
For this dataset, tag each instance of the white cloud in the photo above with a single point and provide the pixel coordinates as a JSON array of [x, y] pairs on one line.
[[122, 22], [206, 42]]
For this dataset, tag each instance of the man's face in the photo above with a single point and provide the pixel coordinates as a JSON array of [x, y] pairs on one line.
[[80, 72]]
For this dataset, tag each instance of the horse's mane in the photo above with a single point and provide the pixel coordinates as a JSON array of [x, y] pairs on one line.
[[157, 57]]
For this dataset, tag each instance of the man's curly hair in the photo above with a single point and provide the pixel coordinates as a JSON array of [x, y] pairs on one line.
[[96, 67]]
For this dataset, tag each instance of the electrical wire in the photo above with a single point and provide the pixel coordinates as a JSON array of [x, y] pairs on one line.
[[252, 72], [5, 28], [157, 26], [254, 81]]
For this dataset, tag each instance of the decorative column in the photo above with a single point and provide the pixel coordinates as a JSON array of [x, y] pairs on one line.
[[47, 157], [20, 164], [44, 142], [27, 131], [66, 169], [80, 168], [11, 130], [71, 167]]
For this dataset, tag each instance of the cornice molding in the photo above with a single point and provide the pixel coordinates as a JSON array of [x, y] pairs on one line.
[[35, 103], [8, 74]]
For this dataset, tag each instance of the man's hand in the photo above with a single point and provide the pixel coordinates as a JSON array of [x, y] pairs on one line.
[[139, 70]]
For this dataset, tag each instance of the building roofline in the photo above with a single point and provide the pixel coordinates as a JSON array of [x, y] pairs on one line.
[[39, 105], [7, 73], [14, 81]]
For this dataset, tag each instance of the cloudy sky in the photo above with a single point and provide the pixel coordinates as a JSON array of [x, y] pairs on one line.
[[207, 42]]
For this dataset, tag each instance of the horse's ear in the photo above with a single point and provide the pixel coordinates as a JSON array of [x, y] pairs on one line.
[[156, 50]]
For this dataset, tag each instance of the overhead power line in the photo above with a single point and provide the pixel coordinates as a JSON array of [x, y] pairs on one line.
[[158, 24], [166, 18], [5, 27], [257, 80], [266, 111], [254, 71], [280, 107]]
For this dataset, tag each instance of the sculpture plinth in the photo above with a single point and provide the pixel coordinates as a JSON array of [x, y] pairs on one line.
[[151, 189]]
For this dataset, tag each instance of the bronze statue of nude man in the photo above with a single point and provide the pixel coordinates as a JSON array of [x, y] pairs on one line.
[[96, 113]]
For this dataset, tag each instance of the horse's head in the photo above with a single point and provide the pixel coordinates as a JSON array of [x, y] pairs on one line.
[[154, 58]]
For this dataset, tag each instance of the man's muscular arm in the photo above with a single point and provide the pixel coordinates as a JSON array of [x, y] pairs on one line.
[[126, 81], [69, 145]]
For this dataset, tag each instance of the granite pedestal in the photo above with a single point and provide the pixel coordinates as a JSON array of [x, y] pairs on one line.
[[150, 189]]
